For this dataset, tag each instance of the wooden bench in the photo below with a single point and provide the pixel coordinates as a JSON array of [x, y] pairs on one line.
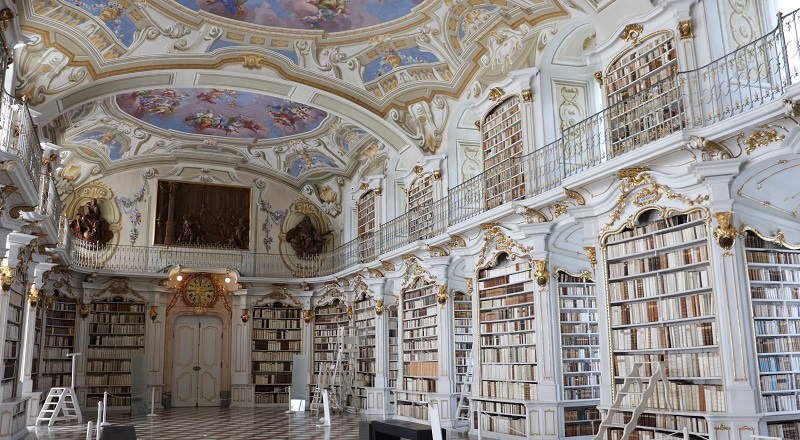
[[397, 429]]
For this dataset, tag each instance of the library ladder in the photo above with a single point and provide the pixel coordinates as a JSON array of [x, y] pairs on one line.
[[60, 405], [323, 382], [463, 412], [636, 384]]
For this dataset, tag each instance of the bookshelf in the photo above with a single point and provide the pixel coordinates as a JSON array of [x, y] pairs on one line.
[[641, 99], [419, 349], [364, 318], [661, 309], [580, 354], [507, 352], [367, 223], [420, 201], [774, 278], [501, 135], [394, 360], [327, 321], [38, 330], [13, 343], [116, 335], [276, 339], [462, 330], [58, 342], [787, 430]]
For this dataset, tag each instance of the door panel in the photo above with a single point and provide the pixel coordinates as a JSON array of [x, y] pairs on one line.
[[197, 361]]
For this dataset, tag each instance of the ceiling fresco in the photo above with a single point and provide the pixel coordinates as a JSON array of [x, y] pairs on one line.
[[327, 15], [112, 14], [221, 112]]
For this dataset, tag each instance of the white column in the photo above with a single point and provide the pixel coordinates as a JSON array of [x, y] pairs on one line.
[[378, 396], [241, 387], [154, 347]]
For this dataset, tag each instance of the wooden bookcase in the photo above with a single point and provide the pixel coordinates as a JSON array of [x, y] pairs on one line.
[[13, 343], [364, 318], [327, 321], [774, 279], [419, 350], [276, 339], [58, 342], [462, 342], [643, 92], [662, 310], [580, 354], [116, 335], [501, 134], [420, 207], [507, 352], [789, 430]]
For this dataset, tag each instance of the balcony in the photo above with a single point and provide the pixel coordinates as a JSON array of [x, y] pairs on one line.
[[747, 79]]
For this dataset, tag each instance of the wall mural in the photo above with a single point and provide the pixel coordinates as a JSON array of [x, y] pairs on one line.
[[221, 112], [112, 13], [328, 15], [395, 59], [113, 144]]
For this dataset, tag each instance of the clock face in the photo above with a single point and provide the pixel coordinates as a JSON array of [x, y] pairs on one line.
[[199, 291]]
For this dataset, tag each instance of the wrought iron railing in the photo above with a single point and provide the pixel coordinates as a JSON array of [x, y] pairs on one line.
[[18, 136], [751, 76]]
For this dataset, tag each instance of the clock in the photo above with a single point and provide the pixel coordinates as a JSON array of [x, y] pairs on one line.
[[199, 291]]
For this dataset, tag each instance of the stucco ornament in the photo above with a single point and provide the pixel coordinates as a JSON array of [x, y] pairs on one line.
[[424, 122], [504, 47]]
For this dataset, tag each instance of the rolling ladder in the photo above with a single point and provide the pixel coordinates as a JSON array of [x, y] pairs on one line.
[[463, 420], [335, 377], [633, 396]]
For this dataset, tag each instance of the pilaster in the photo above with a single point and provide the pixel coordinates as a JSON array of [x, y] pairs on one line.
[[378, 395], [28, 338], [155, 326], [241, 387]]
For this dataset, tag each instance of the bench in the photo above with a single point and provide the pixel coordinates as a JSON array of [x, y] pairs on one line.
[[397, 429]]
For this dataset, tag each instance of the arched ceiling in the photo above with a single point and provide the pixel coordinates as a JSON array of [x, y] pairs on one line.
[[295, 88]]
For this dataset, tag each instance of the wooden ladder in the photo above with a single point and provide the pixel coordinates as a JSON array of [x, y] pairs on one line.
[[636, 383]]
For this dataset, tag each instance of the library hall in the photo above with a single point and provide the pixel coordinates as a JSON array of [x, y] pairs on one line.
[[400, 219]]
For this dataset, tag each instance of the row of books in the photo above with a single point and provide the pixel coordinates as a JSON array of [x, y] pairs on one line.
[[580, 364], [673, 259], [497, 314], [277, 313], [780, 402], [508, 390], [683, 397], [768, 328], [667, 309], [768, 257], [116, 340], [776, 310], [58, 341], [112, 353], [656, 242], [276, 324], [582, 380], [411, 305], [516, 299], [691, 335], [778, 344], [115, 366], [582, 393], [117, 329], [666, 421], [574, 327], [422, 368], [525, 372], [572, 340], [118, 307], [114, 318], [508, 339], [779, 363], [488, 287], [700, 364], [419, 384], [503, 425], [269, 398], [507, 355], [780, 382], [657, 225], [503, 408], [777, 275], [425, 344], [108, 379], [276, 345], [271, 367], [273, 379], [405, 409], [785, 429], [583, 303], [660, 284], [284, 356], [521, 325], [506, 269], [774, 292], [428, 321]]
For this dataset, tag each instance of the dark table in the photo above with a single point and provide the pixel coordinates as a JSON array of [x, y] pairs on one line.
[[118, 433], [397, 429]]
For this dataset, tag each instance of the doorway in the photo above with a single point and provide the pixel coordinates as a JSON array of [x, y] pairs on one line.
[[197, 361]]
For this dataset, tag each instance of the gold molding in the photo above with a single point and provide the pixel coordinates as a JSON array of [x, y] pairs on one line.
[[540, 273], [759, 138], [34, 295], [441, 295], [725, 233], [496, 93], [7, 275], [598, 76], [418, 169], [576, 196], [388, 266], [686, 29], [153, 313], [779, 238], [527, 95], [502, 244], [245, 316], [379, 307], [308, 315], [591, 254], [632, 32], [584, 274]]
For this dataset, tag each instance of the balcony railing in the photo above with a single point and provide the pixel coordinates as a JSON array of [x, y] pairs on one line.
[[753, 75], [18, 136]]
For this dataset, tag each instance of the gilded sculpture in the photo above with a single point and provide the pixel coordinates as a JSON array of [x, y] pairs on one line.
[[306, 240], [89, 225]]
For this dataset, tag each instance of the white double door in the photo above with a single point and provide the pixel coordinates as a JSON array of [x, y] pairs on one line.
[[197, 361]]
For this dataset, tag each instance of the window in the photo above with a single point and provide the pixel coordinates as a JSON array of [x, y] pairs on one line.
[[501, 134]]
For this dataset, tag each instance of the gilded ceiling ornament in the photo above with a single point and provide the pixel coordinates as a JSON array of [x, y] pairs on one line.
[[527, 95], [496, 93], [559, 209], [540, 272], [379, 307], [414, 271], [591, 253], [350, 311], [631, 180], [725, 233], [457, 241], [388, 266], [576, 196], [686, 29], [760, 138], [710, 150], [632, 32], [495, 241], [441, 296]]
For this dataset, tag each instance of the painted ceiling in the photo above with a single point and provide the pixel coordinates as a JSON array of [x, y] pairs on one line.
[[328, 15], [221, 112]]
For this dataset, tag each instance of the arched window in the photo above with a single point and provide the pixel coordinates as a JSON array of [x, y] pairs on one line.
[[643, 94], [420, 204], [501, 134], [367, 223]]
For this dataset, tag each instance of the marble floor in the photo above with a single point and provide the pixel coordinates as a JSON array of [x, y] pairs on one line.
[[219, 424]]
